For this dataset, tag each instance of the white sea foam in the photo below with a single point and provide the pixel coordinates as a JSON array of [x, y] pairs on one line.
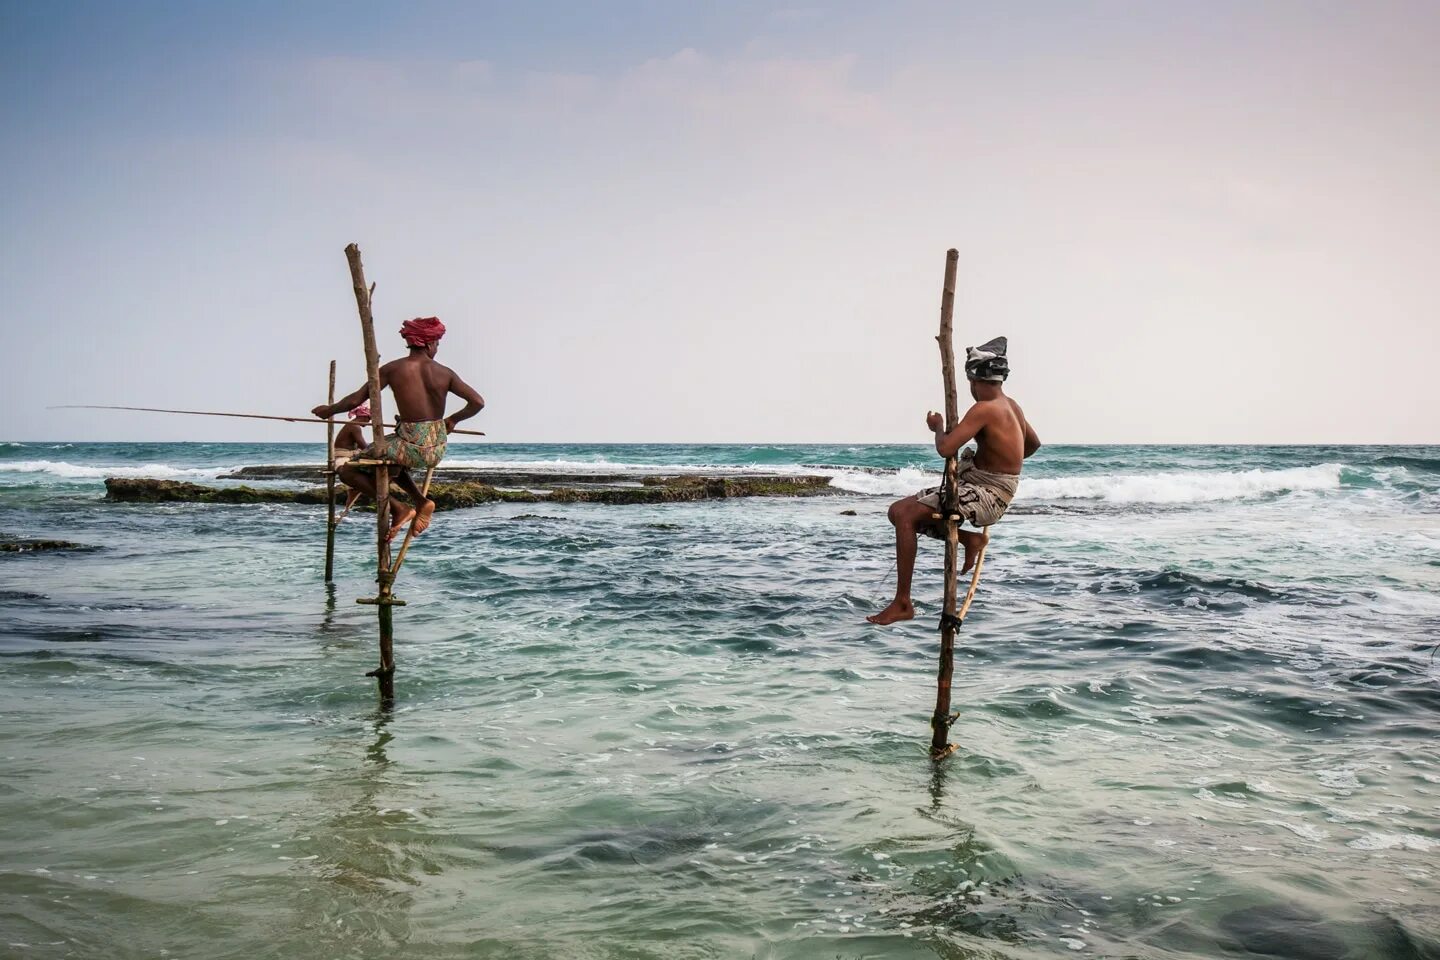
[[1390, 841], [902, 483], [73, 471], [1302, 830], [603, 466], [1181, 486], [1174, 487]]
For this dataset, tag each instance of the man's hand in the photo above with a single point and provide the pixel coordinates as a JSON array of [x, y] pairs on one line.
[[934, 421], [321, 412], [449, 424]]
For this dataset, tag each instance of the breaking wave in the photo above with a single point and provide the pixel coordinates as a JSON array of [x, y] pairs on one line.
[[601, 465], [1187, 486], [73, 471], [901, 483], [1176, 487], [1160, 488]]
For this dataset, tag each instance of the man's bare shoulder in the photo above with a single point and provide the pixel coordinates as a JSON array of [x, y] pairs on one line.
[[988, 409], [439, 373]]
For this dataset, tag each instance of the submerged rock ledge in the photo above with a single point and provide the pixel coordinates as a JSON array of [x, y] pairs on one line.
[[456, 495], [16, 545]]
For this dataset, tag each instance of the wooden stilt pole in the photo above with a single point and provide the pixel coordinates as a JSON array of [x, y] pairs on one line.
[[330, 484], [940, 746], [385, 673]]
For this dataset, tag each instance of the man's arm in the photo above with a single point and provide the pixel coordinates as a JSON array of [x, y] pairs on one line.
[[350, 402], [344, 404], [970, 425], [474, 403], [1032, 440]]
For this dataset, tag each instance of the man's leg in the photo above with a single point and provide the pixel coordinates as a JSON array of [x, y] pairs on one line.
[[364, 481], [908, 516], [425, 506], [972, 541]]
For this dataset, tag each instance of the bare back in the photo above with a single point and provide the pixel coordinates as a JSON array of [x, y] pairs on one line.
[[1001, 442], [420, 386], [350, 437]]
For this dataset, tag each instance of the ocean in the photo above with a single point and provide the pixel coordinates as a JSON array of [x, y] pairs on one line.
[[1198, 696]]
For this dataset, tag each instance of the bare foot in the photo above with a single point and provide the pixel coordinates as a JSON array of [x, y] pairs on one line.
[[973, 543], [422, 519], [398, 519], [349, 502], [897, 611]]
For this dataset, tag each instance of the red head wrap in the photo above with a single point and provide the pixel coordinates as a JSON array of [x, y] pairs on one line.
[[361, 412], [422, 331]]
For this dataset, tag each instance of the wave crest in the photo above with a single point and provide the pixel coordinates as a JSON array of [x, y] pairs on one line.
[[1175, 487], [1183, 486], [75, 471]]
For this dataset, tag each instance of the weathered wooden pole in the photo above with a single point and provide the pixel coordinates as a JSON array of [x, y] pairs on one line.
[[330, 484], [940, 746], [385, 673]]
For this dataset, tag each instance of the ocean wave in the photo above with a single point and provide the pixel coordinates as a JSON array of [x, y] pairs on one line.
[[1183, 486], [901, 483], [1424, 464], [74, 471], [1160, 488], [1175, 487], [603, 466]]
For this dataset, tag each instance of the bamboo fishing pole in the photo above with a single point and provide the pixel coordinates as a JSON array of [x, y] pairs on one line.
[[218, 413]]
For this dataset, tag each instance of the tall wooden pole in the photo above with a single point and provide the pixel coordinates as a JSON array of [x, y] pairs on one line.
[[385, 673], [940, 746], [330, 483]]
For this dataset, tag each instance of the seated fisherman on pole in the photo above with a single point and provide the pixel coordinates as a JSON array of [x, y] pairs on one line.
[[349, 442], [988, 475], [420, 386]]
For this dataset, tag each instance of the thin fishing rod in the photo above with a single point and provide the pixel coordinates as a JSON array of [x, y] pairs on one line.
[[216, 413]]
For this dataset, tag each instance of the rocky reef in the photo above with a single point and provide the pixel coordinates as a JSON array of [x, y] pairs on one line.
[[22, 545], [455, 494]]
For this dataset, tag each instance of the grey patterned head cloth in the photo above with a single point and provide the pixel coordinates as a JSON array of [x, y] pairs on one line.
[[987, 361]]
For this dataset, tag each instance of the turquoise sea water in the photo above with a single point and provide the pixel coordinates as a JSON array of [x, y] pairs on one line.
[[1199, 717]]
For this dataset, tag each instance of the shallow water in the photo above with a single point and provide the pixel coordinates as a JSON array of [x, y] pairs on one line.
[[1198, 718]]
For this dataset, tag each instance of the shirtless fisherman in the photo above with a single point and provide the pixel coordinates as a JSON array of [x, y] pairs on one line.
[[351, 439], [420, 386], [348, 444], [988, 477]]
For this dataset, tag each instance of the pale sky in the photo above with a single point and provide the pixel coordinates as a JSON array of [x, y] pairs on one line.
[[1196, 222]]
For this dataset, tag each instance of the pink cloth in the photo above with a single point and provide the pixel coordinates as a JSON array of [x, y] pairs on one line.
[[422, 331], [361, 411]]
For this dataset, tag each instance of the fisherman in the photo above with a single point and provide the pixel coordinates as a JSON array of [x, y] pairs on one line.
[[351, 438], [988, 475], [348, 443], [420, 386]]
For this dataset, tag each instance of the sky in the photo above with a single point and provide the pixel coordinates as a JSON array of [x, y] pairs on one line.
[[1197, 222]]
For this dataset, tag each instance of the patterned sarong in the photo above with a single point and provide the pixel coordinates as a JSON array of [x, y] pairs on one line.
[[415, 444], [982, 497]]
